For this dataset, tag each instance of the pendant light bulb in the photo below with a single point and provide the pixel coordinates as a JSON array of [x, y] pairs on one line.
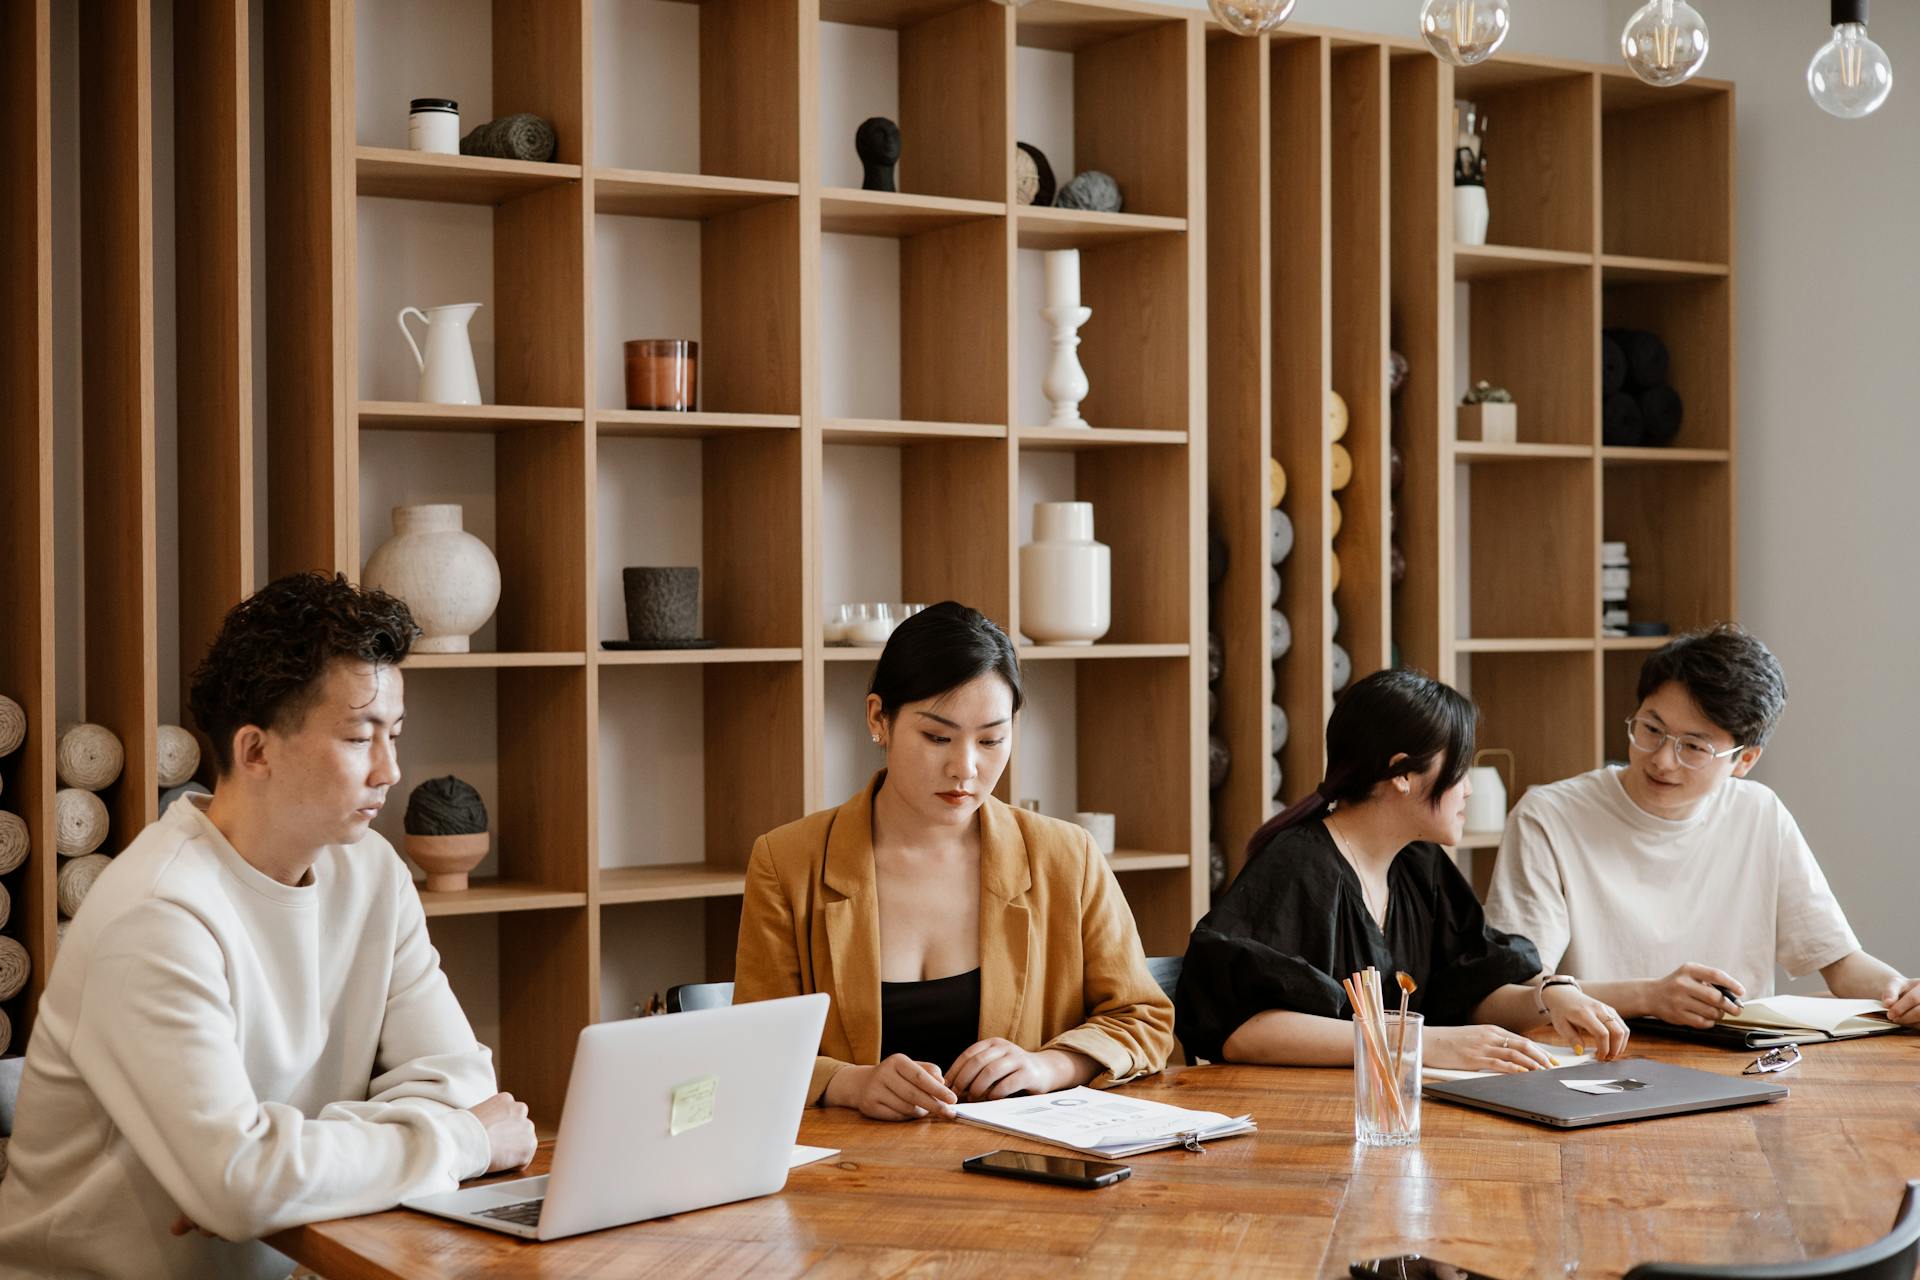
[[1251, 17], [1665, 42], [1850, 75], [1464, 32]]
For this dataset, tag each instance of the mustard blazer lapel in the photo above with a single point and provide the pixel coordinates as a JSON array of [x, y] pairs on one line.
[[850, 911], [1006, 935]]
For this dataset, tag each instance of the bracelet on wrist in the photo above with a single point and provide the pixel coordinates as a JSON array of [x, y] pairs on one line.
[[1554, 980]]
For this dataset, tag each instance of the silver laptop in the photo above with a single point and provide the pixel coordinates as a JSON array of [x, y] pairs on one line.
[[1605, 1092], [663, 1115]]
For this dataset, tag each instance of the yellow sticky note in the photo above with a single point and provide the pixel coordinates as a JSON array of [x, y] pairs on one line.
[[693, 1105]]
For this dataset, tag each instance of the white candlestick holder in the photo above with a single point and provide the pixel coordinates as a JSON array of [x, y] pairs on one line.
[[1066, 382]]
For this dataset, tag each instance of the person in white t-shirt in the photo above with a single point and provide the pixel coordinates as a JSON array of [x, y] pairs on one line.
[[1675, 885], [247, 1028]]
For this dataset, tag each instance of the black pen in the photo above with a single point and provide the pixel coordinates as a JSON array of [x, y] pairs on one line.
[[1728, 994]]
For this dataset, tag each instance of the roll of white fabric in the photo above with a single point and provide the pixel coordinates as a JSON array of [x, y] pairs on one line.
[[15, 844], [89, 757], [177, 754], [77, 877], [80, 819], [15, 965], [13, 725]]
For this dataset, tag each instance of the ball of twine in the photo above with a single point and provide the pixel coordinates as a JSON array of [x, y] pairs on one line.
[[177, 753], [14, 842], [6, 908], [3, 1141], [15, 965], [60, 932], [80, 819], [13, 725], [77, 877], [90, 757], [6, 1042]]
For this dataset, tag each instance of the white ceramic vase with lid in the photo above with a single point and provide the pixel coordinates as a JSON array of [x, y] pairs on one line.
[[1066, 578], [448, 577]]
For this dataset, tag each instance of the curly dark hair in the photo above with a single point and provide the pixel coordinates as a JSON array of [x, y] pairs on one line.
[[1736, 680], [274, 647]]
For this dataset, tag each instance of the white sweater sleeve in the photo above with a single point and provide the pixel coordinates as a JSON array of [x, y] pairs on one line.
[[156, 1041], [428, 1055], [1526, 897]]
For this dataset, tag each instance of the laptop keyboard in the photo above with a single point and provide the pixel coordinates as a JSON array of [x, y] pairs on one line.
[[524, 1214]]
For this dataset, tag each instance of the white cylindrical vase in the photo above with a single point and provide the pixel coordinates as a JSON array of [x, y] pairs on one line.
[[1066, 578], [1470, 214], [448, 577]]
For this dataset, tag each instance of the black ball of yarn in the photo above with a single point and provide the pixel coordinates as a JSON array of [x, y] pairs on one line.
[[1661, 412], [445, 807], [1621, 425]]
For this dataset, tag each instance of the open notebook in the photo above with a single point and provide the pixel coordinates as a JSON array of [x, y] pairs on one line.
[[1097, 1123], [1767, 1021]]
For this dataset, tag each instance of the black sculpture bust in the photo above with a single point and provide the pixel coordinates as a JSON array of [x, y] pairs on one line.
[[877, 141]]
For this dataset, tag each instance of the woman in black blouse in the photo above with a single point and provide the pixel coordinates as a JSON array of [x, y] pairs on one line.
[[1353, 876]]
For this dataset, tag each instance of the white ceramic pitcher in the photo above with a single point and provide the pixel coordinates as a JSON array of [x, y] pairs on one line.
[[447, 375]]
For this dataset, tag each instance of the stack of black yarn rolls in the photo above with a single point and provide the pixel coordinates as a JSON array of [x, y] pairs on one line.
[[1638, 407]]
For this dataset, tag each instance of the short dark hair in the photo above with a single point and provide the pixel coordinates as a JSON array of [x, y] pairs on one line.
[[274, 647], [939, 649], [1736, 680]]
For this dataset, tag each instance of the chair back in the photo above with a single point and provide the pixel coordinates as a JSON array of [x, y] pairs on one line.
[[689, 996], [1892, 1257]]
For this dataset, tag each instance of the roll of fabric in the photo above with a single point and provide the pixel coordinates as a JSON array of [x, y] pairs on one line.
[[1620, 423], [13, 725], [517, 137], [1613, 365], [1661, 412], [1646, 357], [1219, 761], [177, 754], [14, 842], [15, 966], [89, 756], [77, 877], [80, 821]]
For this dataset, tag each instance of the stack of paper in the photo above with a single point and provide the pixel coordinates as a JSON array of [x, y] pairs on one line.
[[1098, 1123]]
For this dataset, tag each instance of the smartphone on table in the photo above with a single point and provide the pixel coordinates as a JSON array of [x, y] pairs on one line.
[[1061, 1171], [1411, 1266]]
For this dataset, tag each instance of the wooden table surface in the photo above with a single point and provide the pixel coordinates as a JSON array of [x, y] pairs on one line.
[[1816, 1173]]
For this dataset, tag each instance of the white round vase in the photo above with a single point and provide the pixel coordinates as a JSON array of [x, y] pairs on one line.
[[448, 577], [1066, 578]]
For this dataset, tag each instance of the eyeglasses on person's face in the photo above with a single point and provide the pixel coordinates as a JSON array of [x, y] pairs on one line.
[[1690, 751]]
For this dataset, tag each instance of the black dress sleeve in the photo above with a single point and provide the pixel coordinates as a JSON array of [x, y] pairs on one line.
[[1272, 942], [1470, 958]]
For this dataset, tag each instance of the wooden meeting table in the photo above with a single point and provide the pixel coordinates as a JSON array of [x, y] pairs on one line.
[[1815, 1173]]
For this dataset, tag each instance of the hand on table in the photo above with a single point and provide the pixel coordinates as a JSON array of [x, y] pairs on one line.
[[510, 1133], [1483, 1048], [997, 1068], [1902, 999], [1580, 1020], [1687, 996], [898, 1089]]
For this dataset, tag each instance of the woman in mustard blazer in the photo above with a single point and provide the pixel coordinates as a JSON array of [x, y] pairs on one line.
[[972, 950]]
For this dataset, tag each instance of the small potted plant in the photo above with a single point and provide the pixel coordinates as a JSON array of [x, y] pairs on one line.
[[446, 831], [1489, 415]]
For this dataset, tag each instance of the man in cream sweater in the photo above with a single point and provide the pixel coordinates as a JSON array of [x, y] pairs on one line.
[[247, 1028], [1675, 885]]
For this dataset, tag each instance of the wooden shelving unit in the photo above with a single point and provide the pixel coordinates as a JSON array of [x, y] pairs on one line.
[[1502, 542], [1287, 220]]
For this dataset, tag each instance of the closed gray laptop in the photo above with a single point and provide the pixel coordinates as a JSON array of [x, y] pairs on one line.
[[1606, 1092]]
